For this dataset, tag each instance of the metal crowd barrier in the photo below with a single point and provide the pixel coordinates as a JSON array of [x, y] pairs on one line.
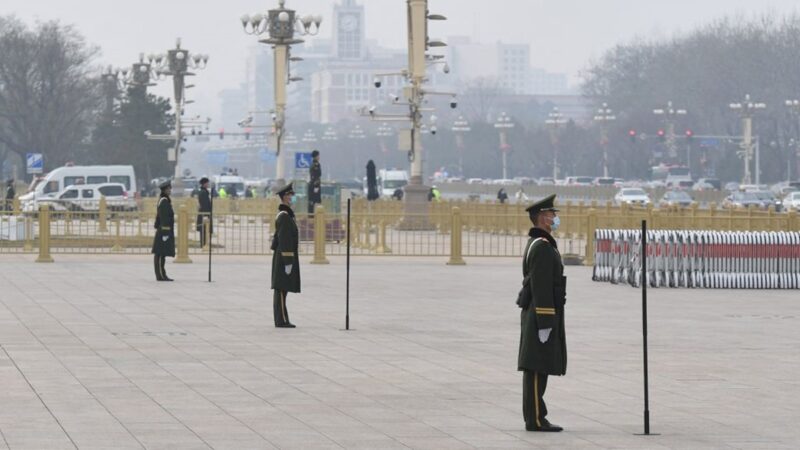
[[699, 259]]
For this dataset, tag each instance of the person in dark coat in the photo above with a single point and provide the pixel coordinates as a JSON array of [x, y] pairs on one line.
[[204, 210], [164, 242], [314, 183], [285, 258], [543, 345], [502, 196], [10, 194]]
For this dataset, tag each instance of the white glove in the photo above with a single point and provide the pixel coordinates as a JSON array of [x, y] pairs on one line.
[[316, 189], [544, 334], [164, 238], [288, 268]]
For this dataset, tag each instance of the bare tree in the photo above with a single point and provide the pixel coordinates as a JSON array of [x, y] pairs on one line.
[[47, 95]]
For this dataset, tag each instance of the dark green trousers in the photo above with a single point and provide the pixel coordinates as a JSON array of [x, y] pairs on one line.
[[279, 307], [533, 408]]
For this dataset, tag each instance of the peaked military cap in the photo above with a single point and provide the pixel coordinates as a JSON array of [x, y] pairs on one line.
[[545, 204], [165, 185], [315, 153], [285, 190]]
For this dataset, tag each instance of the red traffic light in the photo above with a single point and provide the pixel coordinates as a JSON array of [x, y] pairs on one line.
[[632, 133], [689, 133], [660, 133]]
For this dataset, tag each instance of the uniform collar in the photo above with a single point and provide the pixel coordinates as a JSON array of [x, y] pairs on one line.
[[283, 207], [540, 233]]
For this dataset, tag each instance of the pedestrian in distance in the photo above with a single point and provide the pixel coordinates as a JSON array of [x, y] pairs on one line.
[[543, 345], [164, 242], [285, 258], [11, 193], [502, 196], [314, 183], [204, 210]]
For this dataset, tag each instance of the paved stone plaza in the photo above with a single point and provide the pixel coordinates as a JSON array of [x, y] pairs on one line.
[[96, 354]]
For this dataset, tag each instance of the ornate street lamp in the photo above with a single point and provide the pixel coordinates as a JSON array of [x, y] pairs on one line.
[[603, 117], [554, 120], [747, 109], [460, 127], [503, 124], [281, 24]]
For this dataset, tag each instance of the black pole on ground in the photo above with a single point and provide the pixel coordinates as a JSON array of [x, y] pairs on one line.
[[210, 239], [644, 330], [347, 289]]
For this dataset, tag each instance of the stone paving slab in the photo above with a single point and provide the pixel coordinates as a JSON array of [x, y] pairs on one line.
[[95, 354]]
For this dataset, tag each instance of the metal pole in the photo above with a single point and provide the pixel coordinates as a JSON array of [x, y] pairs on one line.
[[758, 160], [644, 329], [347, 289], [280, 60], [748, 147], [210, 235]]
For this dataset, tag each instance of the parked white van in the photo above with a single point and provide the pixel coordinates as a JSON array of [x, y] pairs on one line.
[[86, 197], [54, 183]]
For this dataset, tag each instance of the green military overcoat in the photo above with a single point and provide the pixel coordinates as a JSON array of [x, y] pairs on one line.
[[286, 252], [546, 310], [165, 226]]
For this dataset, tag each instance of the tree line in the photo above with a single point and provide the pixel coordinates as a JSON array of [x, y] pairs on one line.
[[52, 102]]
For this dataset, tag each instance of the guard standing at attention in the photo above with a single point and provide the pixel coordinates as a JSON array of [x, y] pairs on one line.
[[204, 210], [285, 259], [543, 345], [315, 183], [10, 194], [164, 242]]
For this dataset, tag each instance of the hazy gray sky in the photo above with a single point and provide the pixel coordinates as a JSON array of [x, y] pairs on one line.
[[564, 34]]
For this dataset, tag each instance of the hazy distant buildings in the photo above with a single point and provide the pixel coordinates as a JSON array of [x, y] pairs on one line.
[[338, 73]]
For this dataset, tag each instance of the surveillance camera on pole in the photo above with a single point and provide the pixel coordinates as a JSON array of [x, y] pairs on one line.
[[377, 82]]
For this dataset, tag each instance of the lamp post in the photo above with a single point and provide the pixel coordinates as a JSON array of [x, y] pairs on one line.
[[670, 114], [603, 117], [554, 120], [179, 64], [503, 124], [281, 24], [460, 127], [747, 110], [793, 106]]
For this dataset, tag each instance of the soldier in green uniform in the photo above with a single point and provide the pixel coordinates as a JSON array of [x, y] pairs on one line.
[[543, 345], [314, 183], [285, 259], [164, 242], [204, 210]]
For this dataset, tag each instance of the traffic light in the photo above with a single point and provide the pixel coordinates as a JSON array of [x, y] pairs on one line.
[[221, 134], [689, 135], [247, 134], [661, 135], [632, 135]]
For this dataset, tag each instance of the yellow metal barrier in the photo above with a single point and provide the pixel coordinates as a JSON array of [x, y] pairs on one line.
[[455, 239], [319, 236], [44, 236], [182, 256], [102, 213]]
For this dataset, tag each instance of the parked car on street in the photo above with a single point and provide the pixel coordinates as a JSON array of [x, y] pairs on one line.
[[676, 198], [792, 201], [86, 197], [769, 199], [601, 181], [632, 196], [707, 184], [579, 181], [546, 181], [741, 199]]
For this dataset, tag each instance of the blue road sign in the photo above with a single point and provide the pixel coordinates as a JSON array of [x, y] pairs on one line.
[[302, 160], [35, 162], [218, 158], [266, 156]]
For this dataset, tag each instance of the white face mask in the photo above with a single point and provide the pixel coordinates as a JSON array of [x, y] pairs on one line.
[[556, 222]]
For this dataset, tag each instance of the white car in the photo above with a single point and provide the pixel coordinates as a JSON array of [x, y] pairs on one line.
[[792, 201], [632, 196], [86, 197]]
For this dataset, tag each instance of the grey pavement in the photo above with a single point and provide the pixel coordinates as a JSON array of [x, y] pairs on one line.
[[95, 354]]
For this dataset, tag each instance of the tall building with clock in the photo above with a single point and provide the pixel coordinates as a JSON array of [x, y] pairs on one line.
[[349, 34]]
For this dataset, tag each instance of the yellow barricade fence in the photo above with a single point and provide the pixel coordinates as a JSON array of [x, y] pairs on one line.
[[455, 229]]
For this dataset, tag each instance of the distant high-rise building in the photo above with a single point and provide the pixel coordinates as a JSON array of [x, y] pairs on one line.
[[543, 82]]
